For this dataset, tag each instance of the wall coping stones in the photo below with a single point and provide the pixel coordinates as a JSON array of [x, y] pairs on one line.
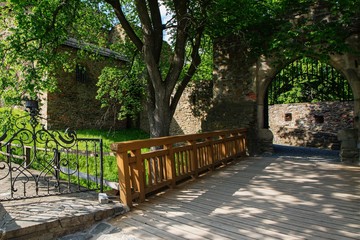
[[54, 216]]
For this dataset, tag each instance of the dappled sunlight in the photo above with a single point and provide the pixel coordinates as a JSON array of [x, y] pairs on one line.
[[258, 198], [245, 211]]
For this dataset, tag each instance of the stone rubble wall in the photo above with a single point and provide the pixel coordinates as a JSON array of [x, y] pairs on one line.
[[310, 124], [74, 104], [198, 112], [192, 109]]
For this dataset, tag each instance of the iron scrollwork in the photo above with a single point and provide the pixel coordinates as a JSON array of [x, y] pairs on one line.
[[35, 161]]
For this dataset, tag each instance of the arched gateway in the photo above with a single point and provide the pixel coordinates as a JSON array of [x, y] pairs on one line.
[[240, 87], [307, 103], [240, 83]]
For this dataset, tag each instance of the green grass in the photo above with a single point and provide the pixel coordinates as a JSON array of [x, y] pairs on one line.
[[110, 165], [108, 137]]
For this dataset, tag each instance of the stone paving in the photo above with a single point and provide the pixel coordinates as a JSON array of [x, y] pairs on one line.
[[54, 216], [100, 231]]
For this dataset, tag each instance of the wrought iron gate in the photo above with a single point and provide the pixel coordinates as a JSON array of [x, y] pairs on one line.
[[37, 162], [308, 80]]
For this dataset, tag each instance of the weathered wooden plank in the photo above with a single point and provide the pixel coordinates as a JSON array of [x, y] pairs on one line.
[[206, 232], [141, 229], [255, 217], [219, 197], [195, 219], [174, 226], [346, 206], [256, 231], [257, 199], [345, 201]]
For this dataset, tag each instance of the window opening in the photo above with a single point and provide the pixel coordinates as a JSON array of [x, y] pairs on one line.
[[81, 74], [288, 117]]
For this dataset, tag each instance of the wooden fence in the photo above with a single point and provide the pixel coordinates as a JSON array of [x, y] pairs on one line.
[[176, 159]]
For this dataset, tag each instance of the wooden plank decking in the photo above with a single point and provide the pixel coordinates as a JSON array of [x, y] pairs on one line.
[[255, 198]]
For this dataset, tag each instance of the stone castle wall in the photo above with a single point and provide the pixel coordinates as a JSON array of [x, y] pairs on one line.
[[192, 109], [234, 97], [310, 124], [74, 104]]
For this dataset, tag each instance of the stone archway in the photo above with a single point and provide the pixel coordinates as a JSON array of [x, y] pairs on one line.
[[264, 70]]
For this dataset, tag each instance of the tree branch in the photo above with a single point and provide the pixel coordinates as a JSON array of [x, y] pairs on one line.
[[180, 45], [125, 24], [157, 28], [149, 47], [196, 60]]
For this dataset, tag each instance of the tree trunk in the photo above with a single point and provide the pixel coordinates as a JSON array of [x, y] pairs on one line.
[[160, 104], [159, 114]]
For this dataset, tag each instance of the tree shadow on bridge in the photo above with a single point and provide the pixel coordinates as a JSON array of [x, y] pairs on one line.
[[283, 197]]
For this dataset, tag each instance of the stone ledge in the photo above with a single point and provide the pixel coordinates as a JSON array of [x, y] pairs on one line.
[[52, 217]]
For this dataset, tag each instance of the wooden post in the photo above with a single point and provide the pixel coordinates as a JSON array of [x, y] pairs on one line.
[[139, 174], [194, 159], [223, 149], [124, 178], [170, 165], [243, 144], [238, 144], [210, 152]]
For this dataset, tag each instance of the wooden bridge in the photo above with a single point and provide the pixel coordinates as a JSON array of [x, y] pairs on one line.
[[278, 197]]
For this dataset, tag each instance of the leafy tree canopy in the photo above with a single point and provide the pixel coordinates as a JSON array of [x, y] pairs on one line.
[[31, 32], [290, 27]]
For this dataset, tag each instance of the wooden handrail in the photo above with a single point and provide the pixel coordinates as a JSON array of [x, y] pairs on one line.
[[178, 158]]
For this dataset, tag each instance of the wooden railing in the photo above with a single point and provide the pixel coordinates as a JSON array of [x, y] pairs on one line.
[[177, 158]]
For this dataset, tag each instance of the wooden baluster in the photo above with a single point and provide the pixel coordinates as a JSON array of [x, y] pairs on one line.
[[170, 165], [243, 144], [148, 166], [233, 145], [210, 152], [223, 149], [194, 159], [124, 178], [139, 174], [237, 144]]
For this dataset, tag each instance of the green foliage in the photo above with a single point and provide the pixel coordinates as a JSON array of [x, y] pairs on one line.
[[285, 27], [113, 136], [204, 70], [110, 164], [120, 87], [32, 32], [8, 117]]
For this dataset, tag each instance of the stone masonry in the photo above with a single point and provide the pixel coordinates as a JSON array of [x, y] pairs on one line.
[[239, 91], [310, 124], [74, 104]]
